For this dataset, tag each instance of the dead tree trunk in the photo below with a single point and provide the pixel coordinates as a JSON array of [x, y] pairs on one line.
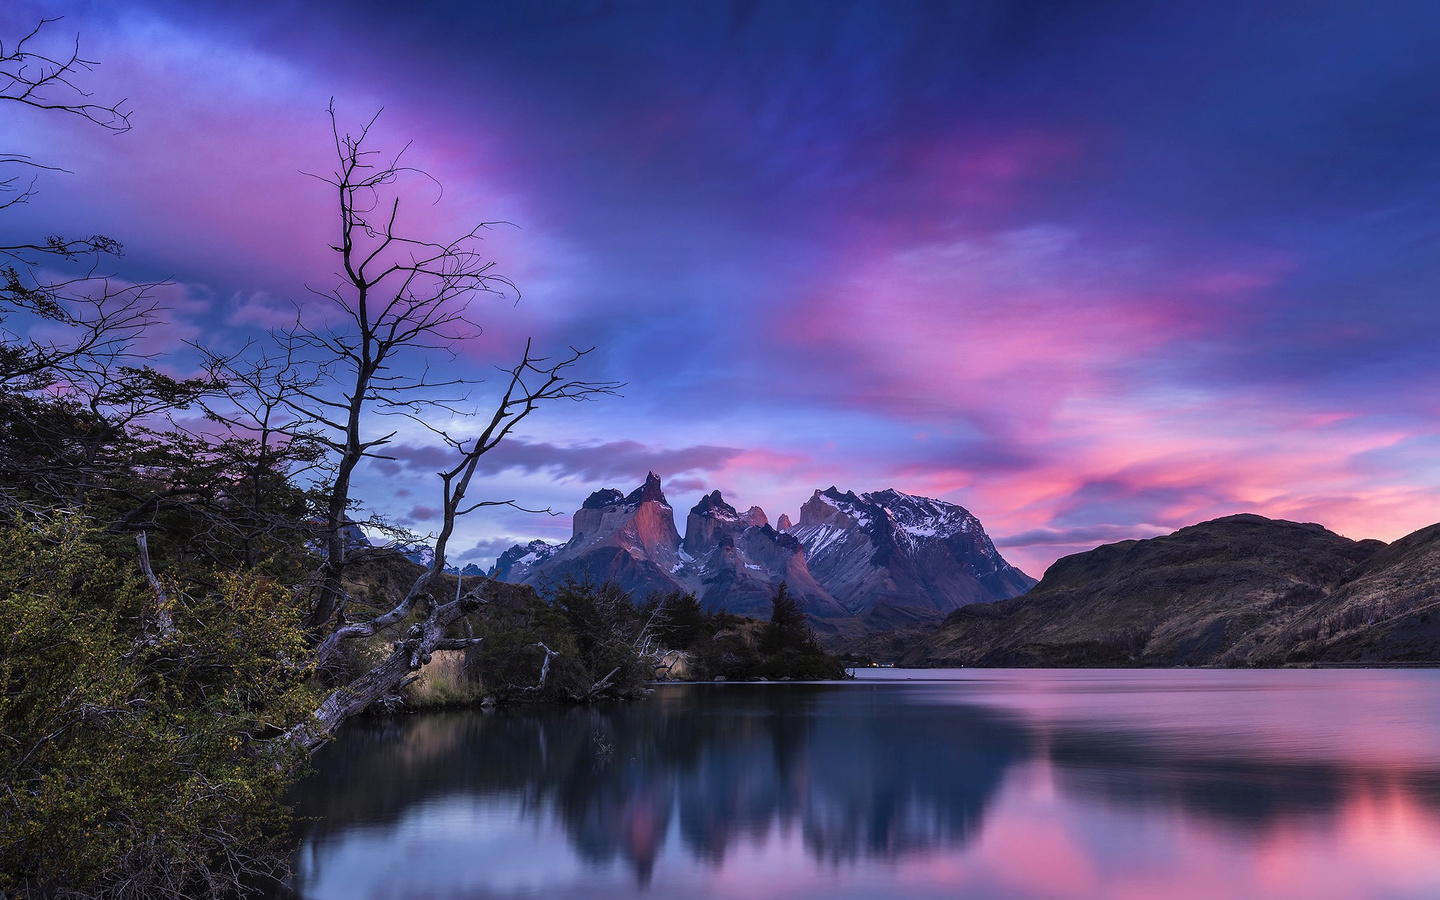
[[533, 381]]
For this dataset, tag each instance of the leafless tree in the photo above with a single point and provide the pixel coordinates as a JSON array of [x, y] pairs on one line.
[[400, 303], [399, 308], [71, 377], [45, 79], [532, 382]]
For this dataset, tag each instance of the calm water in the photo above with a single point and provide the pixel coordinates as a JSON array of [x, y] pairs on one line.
[[903, 784]]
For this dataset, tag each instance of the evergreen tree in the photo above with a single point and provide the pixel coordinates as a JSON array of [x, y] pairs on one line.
[[788, 629]]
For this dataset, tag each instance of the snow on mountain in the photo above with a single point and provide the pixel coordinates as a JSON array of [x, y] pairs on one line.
[[893, 551], [517, 562], [884, 557], [739, 562]]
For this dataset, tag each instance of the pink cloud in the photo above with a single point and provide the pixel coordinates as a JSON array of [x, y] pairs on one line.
[[1085, 363]]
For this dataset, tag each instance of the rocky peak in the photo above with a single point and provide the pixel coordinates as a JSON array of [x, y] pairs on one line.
[[648, 491], [831, 507], [603, 498], [711, 522], [886, 556], [641, 523], [714, 505], [918, 518], [517, 562], [894, 549]]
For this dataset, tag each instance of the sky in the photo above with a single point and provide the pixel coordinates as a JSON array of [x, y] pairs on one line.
[[1094, 271]]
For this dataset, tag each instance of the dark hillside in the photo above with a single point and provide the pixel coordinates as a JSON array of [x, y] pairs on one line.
[[1384, 612], [1188, 598]]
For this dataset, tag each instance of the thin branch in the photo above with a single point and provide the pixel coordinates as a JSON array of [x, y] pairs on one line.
[[43, 79]]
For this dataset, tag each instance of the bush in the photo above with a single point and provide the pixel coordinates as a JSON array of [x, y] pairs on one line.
[[126, 753], [590, 632], [737, 649]]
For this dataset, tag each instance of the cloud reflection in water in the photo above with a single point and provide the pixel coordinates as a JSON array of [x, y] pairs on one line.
[[1000, 784]]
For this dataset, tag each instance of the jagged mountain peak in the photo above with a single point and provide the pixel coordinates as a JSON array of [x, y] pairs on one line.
[[922, 517], [712, 523], [886, 557], [520, 560], [831, 507], [603, 498], [915, 516], [713, 504], [889, 548], [838, 496], [647, 492]]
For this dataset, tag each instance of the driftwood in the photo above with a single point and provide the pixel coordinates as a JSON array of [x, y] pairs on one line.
[[544, 667], [407, 656]]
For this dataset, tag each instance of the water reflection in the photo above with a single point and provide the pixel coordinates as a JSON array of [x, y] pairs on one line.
[[1014, 784]]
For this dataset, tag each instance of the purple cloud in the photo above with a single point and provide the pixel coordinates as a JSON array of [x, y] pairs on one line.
[[593, 463]]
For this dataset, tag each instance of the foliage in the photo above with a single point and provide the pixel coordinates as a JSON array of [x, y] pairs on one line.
[[149, 724], [730, 653], [789, 646], [734, 648], [128, 756], [589, 632], [515, 632], [679, 619]]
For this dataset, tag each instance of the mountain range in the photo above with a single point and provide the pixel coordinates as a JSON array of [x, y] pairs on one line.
[[866, 561]]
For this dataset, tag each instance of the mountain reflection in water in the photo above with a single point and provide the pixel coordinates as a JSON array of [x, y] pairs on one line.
[[969, 783]]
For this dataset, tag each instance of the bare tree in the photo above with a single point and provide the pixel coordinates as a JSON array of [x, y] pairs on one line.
[[400, 306], [67, 395], [45, 79], [533, 381], [400, 303]]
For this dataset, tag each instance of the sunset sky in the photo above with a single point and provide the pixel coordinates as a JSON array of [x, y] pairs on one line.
[[1093, 271]]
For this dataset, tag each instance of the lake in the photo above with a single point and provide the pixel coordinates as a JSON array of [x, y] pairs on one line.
[[970, 783]]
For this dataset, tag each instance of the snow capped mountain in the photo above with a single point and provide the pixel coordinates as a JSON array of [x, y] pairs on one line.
[[517, 562], [424, 555], [737, 562], [891, 555], [882, 558]]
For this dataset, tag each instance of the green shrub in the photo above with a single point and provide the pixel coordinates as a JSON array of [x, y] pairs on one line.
[[127, 754]]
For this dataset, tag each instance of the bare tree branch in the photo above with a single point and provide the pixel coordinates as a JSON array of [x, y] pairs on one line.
[[45, 79], [164, 621]]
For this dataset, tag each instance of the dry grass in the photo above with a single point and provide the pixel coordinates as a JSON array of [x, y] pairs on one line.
[[444, 682], [674, 666]]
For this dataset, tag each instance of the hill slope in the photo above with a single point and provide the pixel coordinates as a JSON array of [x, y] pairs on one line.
[[1232, 590], [1386, 611]]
